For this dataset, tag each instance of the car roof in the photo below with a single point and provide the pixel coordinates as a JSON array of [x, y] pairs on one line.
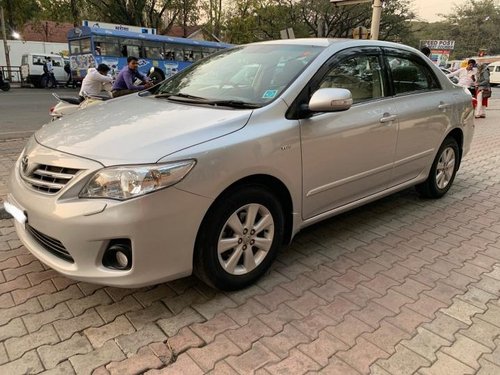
[[337, 42]]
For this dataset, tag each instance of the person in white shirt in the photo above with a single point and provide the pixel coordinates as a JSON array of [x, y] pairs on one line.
[[466, 76], [96, 81]]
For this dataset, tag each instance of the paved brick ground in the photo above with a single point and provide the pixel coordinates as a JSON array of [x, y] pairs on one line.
[[401, 286]]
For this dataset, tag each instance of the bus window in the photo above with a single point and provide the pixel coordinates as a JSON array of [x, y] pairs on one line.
[[131, 47], [74, 47], [153, 50], [206, 51], [173, 52], [85, 45], [192, 54], [106, 46]]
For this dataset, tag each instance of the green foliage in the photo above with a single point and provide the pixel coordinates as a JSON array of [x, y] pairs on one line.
[[18, 12]]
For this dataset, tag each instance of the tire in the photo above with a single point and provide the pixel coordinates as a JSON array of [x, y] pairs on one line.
[[443, 171], [251, 254], [5, 87], [156, 77]]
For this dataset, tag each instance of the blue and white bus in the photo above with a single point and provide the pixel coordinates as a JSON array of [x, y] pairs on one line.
[[89, 46]]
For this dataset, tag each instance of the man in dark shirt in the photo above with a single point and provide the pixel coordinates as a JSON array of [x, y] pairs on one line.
[[124, 84]]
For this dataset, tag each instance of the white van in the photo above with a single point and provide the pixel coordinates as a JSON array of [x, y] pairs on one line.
[[32, 68], [494, 73]]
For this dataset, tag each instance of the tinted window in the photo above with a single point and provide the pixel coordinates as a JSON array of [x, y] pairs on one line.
[[497, 69], [409, 75], [361, 75]]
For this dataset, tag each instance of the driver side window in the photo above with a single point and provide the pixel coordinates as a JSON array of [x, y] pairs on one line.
[[361, 75]]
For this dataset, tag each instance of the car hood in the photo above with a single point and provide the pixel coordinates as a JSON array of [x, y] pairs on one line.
[[138, 129]]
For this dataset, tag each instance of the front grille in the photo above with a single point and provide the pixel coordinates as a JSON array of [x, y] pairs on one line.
[[53, 246], [47, 178]]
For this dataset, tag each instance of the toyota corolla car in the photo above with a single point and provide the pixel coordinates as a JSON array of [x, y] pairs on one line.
[[214, 169]]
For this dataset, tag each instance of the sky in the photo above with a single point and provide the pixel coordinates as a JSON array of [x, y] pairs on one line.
[[428, 10]]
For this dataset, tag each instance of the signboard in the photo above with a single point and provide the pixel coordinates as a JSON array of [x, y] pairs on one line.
[[113, 26], [438, 44]]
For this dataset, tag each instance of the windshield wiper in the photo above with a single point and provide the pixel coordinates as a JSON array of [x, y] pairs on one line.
[[197, 99], [233, 103], [179, 95]]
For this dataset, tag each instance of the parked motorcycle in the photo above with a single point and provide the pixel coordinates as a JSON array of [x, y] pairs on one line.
[[4, 83], [69, 104]]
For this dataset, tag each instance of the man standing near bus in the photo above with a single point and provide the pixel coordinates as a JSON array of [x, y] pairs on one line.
[[124, 84]]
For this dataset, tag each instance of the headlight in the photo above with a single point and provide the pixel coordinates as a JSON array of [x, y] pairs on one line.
[[125, 182]]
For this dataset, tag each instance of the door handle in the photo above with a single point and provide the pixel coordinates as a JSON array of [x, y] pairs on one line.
[[388, 118], [444, 106]]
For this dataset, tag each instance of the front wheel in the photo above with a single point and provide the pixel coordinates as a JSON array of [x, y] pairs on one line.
[[443, 171], [156, 77], [239, 238], [5, 86]]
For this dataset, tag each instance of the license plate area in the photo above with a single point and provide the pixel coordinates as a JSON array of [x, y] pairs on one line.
[[18, 214]]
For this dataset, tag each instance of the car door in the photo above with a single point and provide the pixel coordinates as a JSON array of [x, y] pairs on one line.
[[348, 155], [424, 112]]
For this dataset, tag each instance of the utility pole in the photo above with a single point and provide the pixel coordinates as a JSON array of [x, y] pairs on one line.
[[376, 15], [5, 45], [377, 12]]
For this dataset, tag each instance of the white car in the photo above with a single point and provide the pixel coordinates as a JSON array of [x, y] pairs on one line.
[[32, 68]]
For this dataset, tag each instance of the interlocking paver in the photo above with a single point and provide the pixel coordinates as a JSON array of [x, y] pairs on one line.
[[85, 363], [16, 347], [255, 358], [130, 343], [98, 336], [245, 336], [67, 327], [281, 343], [54, 354], [446, 365], [212, 327], [296, 363]]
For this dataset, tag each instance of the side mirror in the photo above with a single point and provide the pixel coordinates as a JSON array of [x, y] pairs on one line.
[[330, 100]]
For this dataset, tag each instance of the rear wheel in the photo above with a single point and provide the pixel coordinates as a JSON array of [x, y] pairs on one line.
[[442, 172], [156, 77], [239, 238]]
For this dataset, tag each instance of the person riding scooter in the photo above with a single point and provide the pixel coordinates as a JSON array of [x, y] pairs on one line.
[[96, 82], [124, 84]]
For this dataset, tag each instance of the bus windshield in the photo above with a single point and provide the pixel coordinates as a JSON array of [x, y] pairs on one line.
[[255, 74]]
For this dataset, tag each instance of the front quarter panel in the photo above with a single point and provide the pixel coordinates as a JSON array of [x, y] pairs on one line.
[[269, 144]]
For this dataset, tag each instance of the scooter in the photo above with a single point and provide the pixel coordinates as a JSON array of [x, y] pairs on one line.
[[69, 104], [4, 83]]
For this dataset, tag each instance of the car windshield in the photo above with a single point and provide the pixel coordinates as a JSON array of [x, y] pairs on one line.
[[253, 75]]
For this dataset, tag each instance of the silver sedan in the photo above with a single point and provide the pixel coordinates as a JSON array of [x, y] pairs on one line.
[[214, 169]]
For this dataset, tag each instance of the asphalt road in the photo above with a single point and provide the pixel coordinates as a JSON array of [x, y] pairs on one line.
[[23, 111]]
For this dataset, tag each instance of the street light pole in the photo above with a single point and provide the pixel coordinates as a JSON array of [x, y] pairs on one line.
[[377, 12], [5, 45]]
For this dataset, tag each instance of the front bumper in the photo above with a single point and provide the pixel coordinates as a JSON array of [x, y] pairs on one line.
[[161, 226]]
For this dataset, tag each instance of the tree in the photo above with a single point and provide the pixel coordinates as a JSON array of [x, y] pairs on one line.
[[19, 12], [251, 20], [474, 26]]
